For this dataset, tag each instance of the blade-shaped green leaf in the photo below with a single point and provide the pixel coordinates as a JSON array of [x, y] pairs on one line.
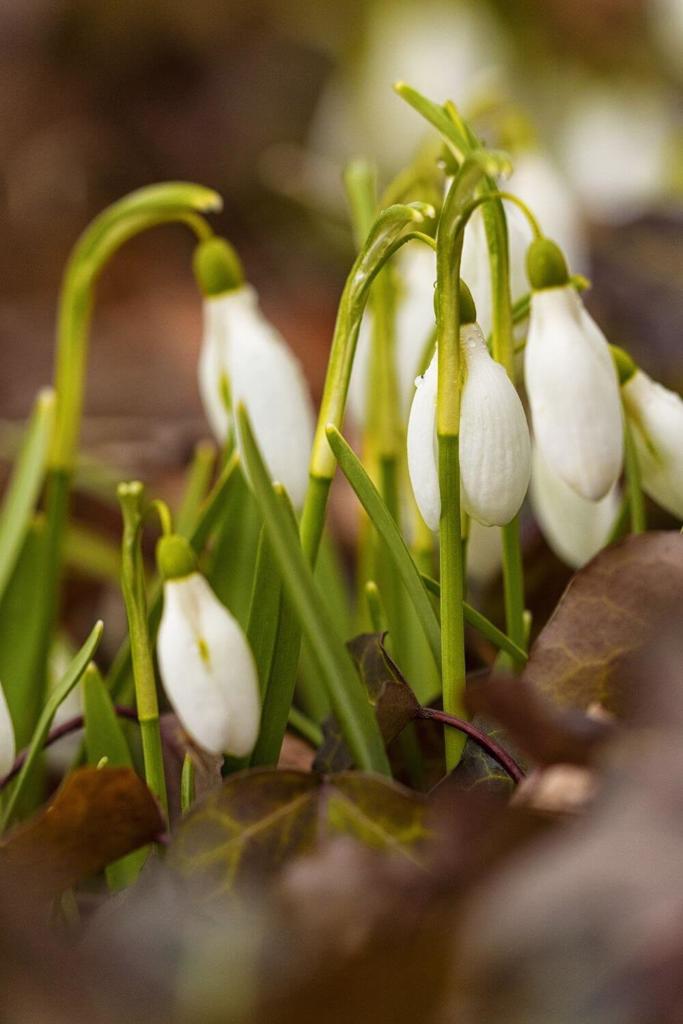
[[104, 738], [384, 523], [25, 484], [59, 694], [345, 690]]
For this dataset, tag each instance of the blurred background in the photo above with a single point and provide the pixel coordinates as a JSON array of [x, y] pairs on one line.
[[264, 101]]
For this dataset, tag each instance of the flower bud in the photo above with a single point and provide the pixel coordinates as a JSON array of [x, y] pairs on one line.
[[494, 439], [572, 386], [7, 743], [574, 528], [244, 359], [207, 668], [656, 418]]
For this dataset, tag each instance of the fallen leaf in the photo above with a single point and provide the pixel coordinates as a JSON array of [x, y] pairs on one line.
[[96, 816], [611, 610], [262, 819]]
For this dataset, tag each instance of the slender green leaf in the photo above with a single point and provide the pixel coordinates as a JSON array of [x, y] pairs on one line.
[[25, 484], [264, 610], [436, 116], [479, 622], [59, 694], [384, 523], [231, 564], [23, 620], [196, 486], [104, 738], [347, 696]]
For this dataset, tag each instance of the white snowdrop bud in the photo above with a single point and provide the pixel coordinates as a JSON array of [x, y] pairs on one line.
[[571, 381], [574, 528], [205, 661], [495, 460], [7, 742], [656, 418], [244, 359], [495, 451]]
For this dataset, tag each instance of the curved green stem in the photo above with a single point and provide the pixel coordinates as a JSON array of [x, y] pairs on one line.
[[391, 229]]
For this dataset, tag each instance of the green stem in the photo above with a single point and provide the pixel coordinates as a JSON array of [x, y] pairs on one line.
[[452, 619], [131, 498], [513, 582], [636, 499], [392, 228]]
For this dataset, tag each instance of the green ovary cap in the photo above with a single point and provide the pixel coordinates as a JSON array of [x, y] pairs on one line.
[[217, 267], [624, 364], [468, 310], [175, 557], [546, 267]]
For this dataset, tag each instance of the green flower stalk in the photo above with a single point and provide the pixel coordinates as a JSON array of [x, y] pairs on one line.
[[174, 202], [392, 228]]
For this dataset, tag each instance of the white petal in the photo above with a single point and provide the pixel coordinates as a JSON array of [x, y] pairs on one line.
[[422, 447], [574, 528], [484, 553], [495, 456], [207, 668], [573, 393], [656, 416], [7, 743], [264, 375], [212, 367]]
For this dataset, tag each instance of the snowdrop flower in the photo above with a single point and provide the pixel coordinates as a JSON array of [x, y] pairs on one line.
[[571, 381], [205, 662], [7, 744], [414, 324], [655, 416], [494, 438], [244, 359], [574, 528]]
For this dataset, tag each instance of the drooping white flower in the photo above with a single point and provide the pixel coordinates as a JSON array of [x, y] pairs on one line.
[[655, 415], [414, 324], [7, 743], [205, 661], [572, 386], [244, 359], [574, 528], [494, 444]]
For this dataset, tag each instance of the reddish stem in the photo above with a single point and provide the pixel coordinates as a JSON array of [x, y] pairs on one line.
[[497, 752], [71, 725]]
